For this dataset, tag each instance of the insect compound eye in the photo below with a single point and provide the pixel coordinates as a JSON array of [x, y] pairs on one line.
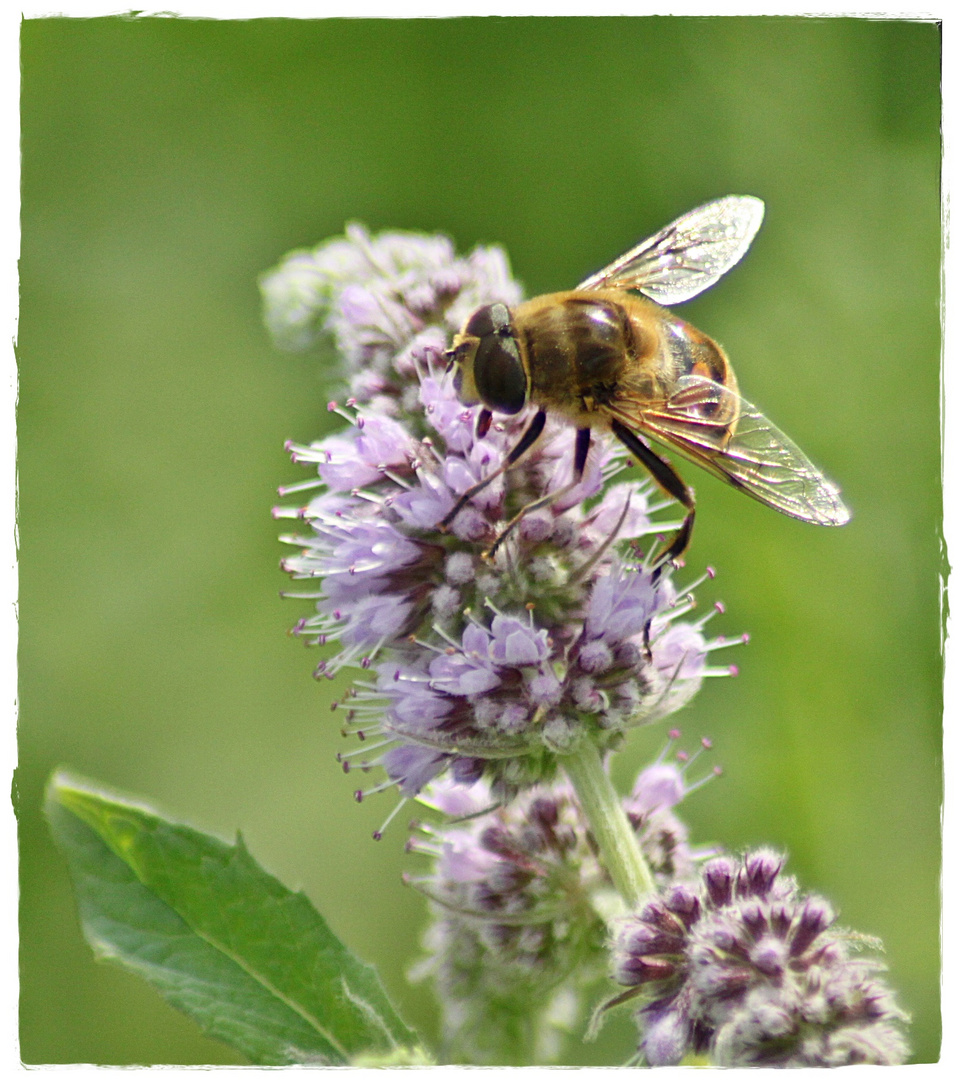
[[498, 373], [490, 319]]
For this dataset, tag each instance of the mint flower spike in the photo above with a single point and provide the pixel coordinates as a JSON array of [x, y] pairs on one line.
[[505, 669], [383, 299], [746, 969]]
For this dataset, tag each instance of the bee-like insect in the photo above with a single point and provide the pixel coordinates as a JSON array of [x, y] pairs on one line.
[[602, 358]]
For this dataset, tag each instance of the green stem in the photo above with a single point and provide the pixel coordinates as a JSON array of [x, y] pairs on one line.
[[619, 850]]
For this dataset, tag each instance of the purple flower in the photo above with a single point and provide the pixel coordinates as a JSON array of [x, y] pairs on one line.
[[454, 799], [746, 968], [453, 422], [378, 296], [374, 619], [424, 504], [660, 784], [348, 551], [506, 640], [379, 444], [621, 606], [516, 643], [416, 766], [463, 673], [512, 696], [374, 580], [488, 668]]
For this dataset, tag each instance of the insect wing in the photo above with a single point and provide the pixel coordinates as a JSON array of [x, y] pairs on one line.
[[689, 255], [726, 435]]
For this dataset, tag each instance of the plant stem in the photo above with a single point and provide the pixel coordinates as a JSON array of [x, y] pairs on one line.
[[619, 850]]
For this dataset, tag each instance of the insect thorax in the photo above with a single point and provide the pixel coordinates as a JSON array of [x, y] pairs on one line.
[[579, 346]]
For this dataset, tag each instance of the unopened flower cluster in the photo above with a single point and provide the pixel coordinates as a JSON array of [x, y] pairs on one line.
[[475, 666], [519, 897], [744, 968]]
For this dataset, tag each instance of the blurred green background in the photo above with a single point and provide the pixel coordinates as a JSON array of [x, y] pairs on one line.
[[167, 162]]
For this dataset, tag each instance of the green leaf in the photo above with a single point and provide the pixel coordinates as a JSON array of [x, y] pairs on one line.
[[253, 963]]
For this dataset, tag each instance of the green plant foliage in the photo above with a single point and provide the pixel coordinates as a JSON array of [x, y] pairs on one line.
[[221, 939]]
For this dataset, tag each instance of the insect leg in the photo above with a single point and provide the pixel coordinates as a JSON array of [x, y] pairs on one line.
[[484, 419], [527, 439], [581, 449], [669, 479]]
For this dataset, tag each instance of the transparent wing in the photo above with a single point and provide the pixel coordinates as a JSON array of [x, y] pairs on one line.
[[687, 256], [718, 430]]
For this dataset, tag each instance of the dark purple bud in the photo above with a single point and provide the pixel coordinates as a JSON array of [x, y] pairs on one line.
[[595, 657], [769, 957], [532, 840], [781, 917], [754, 918], [642, 969], [732, 981], [644, 939], [446, 282], [545, 814], [467, 770], [815, 917], [684, 903], [760, 869], [656, 914], [499, 841], [718, 875], [628, 655], [876, 1001], [723, 938], [536, 528]]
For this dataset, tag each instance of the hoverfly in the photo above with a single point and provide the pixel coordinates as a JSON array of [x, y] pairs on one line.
[[602, 358]]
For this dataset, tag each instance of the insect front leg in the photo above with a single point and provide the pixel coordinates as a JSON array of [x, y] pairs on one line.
[[527, 439], [581, 450], [669, 479], [484, 420]]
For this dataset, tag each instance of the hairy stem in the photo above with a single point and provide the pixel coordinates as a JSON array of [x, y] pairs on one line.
[[619, 850]]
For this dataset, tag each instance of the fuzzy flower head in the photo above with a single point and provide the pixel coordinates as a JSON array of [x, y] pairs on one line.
[[390, 302], [747, 969], [517, 937], [477, 666]]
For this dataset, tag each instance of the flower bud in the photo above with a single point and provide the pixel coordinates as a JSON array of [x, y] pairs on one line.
[[755, 975]]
